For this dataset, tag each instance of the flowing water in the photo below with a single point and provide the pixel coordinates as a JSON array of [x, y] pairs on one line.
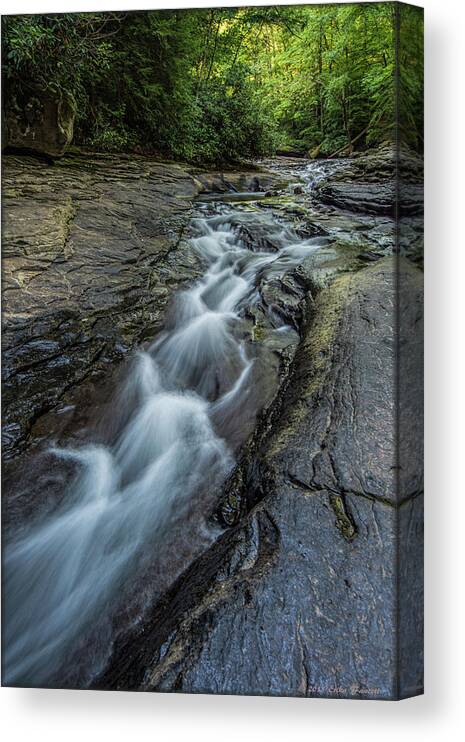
[[187, 394]]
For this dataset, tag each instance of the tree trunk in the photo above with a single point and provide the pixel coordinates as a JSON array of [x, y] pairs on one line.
[[355, 139]]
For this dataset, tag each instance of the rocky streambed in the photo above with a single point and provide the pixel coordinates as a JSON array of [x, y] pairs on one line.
[[287, 583]]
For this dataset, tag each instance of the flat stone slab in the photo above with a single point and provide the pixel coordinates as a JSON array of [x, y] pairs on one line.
[[366, 198], [376, 183], [89, 261], [294, 609], [340, 404]]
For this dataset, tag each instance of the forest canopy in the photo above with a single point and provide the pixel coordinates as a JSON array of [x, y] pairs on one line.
[[222, 84]]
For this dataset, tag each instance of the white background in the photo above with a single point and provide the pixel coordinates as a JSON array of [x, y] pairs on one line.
[[86, 716]]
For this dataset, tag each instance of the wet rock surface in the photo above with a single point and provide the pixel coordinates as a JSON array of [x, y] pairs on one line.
[[341, 401], [300, 597], [297, 594], [93, 248], [245, 181], [355, 200], [91, 251], [369, 184], [362, 197]]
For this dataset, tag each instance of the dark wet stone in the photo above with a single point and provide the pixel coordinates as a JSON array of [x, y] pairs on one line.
[[242, 182], [374, 183], [289, 611], [369, 256], [367, 198], [42, 124], [256, 237], [342, 397], [92, 248], [299, 597]]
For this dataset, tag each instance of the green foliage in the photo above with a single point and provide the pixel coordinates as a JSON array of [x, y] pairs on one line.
[[222, 84], [229, 121], [53, 54], [410, 114], [335, 64]]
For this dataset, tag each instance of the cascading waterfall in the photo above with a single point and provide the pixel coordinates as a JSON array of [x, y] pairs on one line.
[[70, 568]]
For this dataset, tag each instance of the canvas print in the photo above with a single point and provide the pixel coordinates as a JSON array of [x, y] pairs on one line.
[[212, 350]]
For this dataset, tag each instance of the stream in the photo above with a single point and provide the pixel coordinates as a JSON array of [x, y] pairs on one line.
[[138, 510]]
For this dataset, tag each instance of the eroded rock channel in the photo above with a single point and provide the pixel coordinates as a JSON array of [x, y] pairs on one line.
[[230, 516]]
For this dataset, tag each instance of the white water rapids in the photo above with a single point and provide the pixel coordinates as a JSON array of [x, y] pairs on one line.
[[68, 569]]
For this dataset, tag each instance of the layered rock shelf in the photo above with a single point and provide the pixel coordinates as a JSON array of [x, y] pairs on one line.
[[297, 591]]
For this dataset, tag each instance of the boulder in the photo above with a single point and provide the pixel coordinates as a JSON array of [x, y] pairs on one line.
[[375, 182], [42, 125], [224, 182], [366, 198]]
